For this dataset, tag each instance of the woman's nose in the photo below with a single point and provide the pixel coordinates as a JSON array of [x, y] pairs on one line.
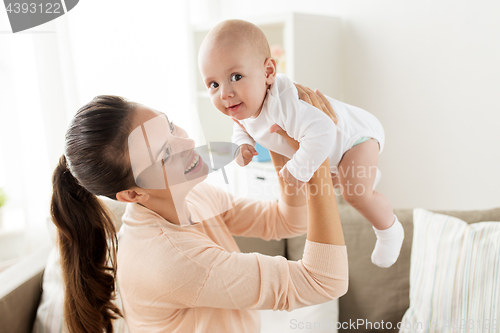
[[183, 146]]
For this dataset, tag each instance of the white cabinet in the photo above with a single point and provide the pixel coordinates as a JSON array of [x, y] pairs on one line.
[[312, 57], [258, 180]]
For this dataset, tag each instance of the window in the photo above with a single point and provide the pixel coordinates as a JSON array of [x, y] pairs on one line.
[[48, 72], [24, 170]]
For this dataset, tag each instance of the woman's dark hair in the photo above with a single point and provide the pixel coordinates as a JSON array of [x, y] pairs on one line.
[[95, 162]]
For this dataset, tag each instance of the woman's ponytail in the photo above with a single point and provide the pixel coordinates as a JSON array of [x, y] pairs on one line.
[[95, 162], [87, 242]]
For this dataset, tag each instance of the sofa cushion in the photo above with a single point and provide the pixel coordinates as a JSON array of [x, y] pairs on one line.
[[375, 293], [50, 310], [251, 244], [50, 316], [454, 283], [20, 290]]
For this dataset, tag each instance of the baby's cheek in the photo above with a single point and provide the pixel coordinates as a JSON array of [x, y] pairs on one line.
[[213, 99], [219, 106]]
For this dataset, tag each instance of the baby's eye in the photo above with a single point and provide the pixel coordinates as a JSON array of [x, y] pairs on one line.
[[172, 127], [213, 85], [236, 77], [167, 155]]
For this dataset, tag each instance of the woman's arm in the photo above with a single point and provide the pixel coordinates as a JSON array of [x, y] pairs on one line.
[[268, 219], [254, 219], [206, 275], [323, 219], [290, 195], [324, 222], [255, 281], [323, 215]]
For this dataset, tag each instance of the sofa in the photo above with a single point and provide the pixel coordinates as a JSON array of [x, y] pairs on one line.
[[374, 295]]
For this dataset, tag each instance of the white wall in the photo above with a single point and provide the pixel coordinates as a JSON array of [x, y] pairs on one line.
[[136, 50], [430, 71], [31, 98]]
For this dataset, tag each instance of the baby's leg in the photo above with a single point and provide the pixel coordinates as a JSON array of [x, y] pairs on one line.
[[357, 174]]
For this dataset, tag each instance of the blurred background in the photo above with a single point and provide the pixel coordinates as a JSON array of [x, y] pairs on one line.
[[428, 70]]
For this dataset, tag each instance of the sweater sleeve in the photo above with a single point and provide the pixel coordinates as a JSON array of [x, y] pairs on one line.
[[264, 219], [255, 281], [315, 131], [206, 275]]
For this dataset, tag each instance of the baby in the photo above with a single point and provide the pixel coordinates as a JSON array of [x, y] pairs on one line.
[[240, 75]]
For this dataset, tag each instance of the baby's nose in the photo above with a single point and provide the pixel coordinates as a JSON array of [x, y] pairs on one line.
[[227, 92]]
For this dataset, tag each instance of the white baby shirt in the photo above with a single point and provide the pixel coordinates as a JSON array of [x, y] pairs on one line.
[[318, 135]]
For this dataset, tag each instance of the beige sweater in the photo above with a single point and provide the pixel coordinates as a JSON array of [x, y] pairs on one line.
[[194, 278]]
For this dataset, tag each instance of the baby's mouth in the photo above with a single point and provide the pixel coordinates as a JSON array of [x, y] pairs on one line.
[[234, 107]]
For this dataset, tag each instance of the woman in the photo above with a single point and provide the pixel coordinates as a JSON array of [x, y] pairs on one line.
[[176, 275]]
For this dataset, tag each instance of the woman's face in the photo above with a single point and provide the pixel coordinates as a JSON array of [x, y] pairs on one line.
[[162, 155]]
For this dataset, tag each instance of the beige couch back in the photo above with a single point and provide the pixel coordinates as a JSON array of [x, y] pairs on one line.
[[375, 293]]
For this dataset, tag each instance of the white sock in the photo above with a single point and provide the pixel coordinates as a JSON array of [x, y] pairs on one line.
[[388, 245]]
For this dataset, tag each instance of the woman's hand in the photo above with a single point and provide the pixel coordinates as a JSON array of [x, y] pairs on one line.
[[316, 99]]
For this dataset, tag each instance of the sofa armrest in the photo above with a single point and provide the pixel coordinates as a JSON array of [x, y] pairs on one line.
[[20, 292]]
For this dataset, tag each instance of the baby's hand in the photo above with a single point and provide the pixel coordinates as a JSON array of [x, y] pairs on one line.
[[289, 178], [247, 152]]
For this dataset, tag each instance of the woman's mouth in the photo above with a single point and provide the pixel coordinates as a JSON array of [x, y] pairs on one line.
[[234, 108], [193, 165]]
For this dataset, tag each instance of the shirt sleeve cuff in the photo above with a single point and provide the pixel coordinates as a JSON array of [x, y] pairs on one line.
[[326, 259], [295, 215], [299, 173]]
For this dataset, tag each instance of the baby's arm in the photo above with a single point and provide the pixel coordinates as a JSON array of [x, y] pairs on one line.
[[247, 152], [289, 178], [316, 133], [245, 142]]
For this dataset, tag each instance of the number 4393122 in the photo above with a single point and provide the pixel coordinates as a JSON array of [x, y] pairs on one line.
[[45, 8]]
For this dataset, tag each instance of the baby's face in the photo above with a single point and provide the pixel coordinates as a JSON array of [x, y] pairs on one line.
[[235, 78]]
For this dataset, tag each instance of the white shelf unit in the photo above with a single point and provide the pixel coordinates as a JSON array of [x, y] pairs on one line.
[[312, 46]]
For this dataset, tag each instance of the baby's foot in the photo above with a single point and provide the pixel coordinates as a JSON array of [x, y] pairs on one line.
[[388, 245]]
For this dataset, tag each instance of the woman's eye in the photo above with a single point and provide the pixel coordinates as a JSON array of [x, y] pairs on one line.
[[236, 77], [172, 127], [167, 155], [213, 85]]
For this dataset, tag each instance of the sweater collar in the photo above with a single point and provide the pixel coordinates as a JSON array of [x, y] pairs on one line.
[[139, 215]]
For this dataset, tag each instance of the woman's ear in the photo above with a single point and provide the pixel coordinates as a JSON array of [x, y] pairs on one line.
[[135, 194], [270, 67]]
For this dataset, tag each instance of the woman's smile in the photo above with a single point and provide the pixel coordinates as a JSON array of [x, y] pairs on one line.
[[194, 165]]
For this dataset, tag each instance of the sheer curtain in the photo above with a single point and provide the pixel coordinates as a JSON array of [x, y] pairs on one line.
[[34, 97], [115, 47], [24, 140]]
